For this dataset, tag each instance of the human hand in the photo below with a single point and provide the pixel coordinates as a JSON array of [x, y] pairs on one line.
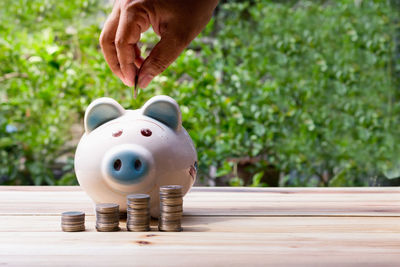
[[177, 22]]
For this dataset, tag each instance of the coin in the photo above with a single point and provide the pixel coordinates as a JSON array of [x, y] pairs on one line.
[[73, 221], [107, 225], [137, 206], [170, 228], [107, 217], [171, 208], [171, 215], [171, 201], [107, 207], [139, 220], [78, 228], [171, 189], [108, 230], [169, 223], [138, 212], [69, 218], [138, 197], [137, 228], [165, 208], [73, 214]]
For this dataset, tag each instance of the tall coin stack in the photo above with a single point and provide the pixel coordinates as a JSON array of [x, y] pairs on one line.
[[73, 221], [107, 217], [171, 208], [138, 213]]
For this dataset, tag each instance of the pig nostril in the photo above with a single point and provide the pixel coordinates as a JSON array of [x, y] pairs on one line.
[[117, 165], [138, 164]]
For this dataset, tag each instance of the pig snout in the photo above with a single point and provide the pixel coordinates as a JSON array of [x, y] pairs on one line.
[[127, 164]]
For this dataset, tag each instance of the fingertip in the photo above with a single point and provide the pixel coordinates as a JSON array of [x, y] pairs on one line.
[[123, 80], [144, 80], [129, 73], [128, 82]]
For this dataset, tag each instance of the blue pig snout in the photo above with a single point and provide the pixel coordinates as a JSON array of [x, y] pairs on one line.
[[126, 164]]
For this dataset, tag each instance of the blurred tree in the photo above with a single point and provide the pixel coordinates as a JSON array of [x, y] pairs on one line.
[[300, 91]]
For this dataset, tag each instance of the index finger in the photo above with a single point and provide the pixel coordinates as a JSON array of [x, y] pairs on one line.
[[127, 36], [107, 42]]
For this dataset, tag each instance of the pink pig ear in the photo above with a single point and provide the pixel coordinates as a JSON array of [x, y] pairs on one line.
[[101, 111], [164, 109]]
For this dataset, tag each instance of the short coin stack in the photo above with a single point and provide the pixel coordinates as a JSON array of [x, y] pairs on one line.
[[138, 213], [170, 208], [73, 221], [107, 217]]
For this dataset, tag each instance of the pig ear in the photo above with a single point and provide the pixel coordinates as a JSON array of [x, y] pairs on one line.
[[101, 111], [164, 109]]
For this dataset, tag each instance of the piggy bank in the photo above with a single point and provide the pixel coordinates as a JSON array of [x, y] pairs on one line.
[[134, 151]]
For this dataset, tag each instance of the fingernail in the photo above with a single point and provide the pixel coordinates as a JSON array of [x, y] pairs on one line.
[[145, 80]]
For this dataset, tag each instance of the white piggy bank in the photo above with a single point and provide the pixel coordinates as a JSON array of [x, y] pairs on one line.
[[134, 151]]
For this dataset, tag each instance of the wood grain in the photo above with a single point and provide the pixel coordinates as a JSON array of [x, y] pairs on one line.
[[228, 202], [231, 224], [200, 249], [222, 226]]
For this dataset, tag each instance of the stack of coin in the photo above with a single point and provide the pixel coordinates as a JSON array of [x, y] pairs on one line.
[[170, 208], [138, 212], [107, 217], [73, 221]]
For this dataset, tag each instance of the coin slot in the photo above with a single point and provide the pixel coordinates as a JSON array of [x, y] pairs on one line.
[[117, 165]]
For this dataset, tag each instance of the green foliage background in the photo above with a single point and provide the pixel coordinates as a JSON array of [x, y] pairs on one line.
[[310, 88]]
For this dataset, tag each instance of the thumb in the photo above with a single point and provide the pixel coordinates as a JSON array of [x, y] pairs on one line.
[[161, 56]]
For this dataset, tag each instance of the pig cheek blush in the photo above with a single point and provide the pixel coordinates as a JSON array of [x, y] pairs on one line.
[[146, 132]]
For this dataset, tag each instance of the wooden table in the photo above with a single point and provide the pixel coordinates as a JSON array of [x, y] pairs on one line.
[[222, 226]]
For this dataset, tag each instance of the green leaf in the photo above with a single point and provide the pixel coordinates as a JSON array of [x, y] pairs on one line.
[[236, 181], [256, 180]]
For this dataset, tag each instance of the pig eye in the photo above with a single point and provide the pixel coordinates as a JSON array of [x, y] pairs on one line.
[[146, 132]]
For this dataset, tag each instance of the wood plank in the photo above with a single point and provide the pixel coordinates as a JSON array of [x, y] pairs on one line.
[[48, 188], [44, 202], [223, 201], [200, 249], [205, 258], [221, 224], [278, 190]]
